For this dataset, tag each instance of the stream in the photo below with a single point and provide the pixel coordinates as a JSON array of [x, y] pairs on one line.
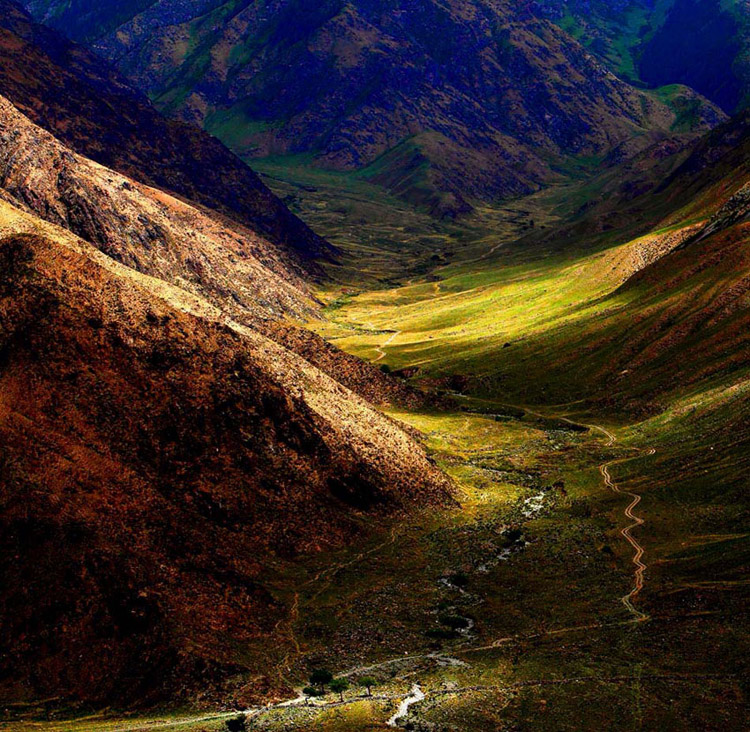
[[416, 696], [530, 508]]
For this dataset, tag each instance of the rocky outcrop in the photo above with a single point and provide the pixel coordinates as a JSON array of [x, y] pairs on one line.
[[735, 211]]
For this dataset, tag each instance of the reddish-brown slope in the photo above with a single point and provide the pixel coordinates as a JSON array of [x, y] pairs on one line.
[[152, 455], [158, 234], [147, 229]]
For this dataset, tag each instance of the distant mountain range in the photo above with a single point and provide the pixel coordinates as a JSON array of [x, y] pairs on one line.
[[442, 103]]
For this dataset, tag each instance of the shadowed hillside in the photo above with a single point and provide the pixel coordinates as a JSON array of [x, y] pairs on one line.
[[73, 94], [166, 453]]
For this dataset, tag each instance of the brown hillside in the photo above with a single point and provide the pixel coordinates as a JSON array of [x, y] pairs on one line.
[[163, 452], [80, 99]]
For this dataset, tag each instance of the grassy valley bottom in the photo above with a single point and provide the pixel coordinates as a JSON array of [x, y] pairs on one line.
[[507, 612]]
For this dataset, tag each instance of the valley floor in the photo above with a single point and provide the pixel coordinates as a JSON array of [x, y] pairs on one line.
[[590, 579], [535, 563]]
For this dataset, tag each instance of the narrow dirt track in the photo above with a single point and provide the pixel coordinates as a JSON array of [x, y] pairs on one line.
[[639, 551], [380, 349], [640, 565]]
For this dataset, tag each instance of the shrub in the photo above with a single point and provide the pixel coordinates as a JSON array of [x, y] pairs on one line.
[[368, 682], [456, 622], [238, 724], [321, 677], [459, 579], [339, 686]]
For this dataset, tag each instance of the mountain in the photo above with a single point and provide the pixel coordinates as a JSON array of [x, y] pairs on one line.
[[146, 228], [86, 20], [637, 195], [441, 103], [164, 424], [613, 30], [703, 44], [675, 230], [164, 448], [706, 45], [101, 117]]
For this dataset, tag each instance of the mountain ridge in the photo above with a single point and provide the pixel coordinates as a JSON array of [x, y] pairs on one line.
[[447, 102], [103, 118]]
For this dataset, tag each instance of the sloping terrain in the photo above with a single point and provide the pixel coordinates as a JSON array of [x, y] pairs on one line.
[[440, 103], [703, 44], [69, 91], [197, 250], [84, 20], [147, 229], [658, 306], [611, 29], [706, 45], [167, 453], [650, 283]]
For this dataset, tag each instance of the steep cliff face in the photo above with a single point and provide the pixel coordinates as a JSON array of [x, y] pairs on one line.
[[443, 101], [81, 100], [164, 451]]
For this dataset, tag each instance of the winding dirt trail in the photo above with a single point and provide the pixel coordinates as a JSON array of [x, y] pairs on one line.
[[381, 349], [639, 551], [626, 533]]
